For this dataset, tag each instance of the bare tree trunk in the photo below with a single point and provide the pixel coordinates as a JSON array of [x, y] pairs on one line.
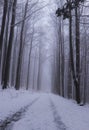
[[5, 43], [14, 63], [3, 24], [29, 61], [17, 85], [71, 50], [77, 55], [62, 58], [69, 88], [75, 73], [39, 69], [34, 72], [9, 50]]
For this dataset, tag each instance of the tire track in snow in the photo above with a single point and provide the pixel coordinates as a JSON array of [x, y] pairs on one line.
[[57, 119], [9, 121]]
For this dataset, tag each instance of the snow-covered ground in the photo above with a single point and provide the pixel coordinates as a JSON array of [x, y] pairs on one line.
[[48, 112], [73, 116], [12, 101]]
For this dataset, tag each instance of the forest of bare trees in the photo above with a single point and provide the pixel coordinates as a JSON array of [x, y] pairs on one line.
[[16, 40], [26, 46]]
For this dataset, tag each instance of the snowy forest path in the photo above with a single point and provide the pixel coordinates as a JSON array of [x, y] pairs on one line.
[[42, 115]]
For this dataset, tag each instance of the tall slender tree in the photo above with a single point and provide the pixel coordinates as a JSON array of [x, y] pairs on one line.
[[18, 72], [9, 49]]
